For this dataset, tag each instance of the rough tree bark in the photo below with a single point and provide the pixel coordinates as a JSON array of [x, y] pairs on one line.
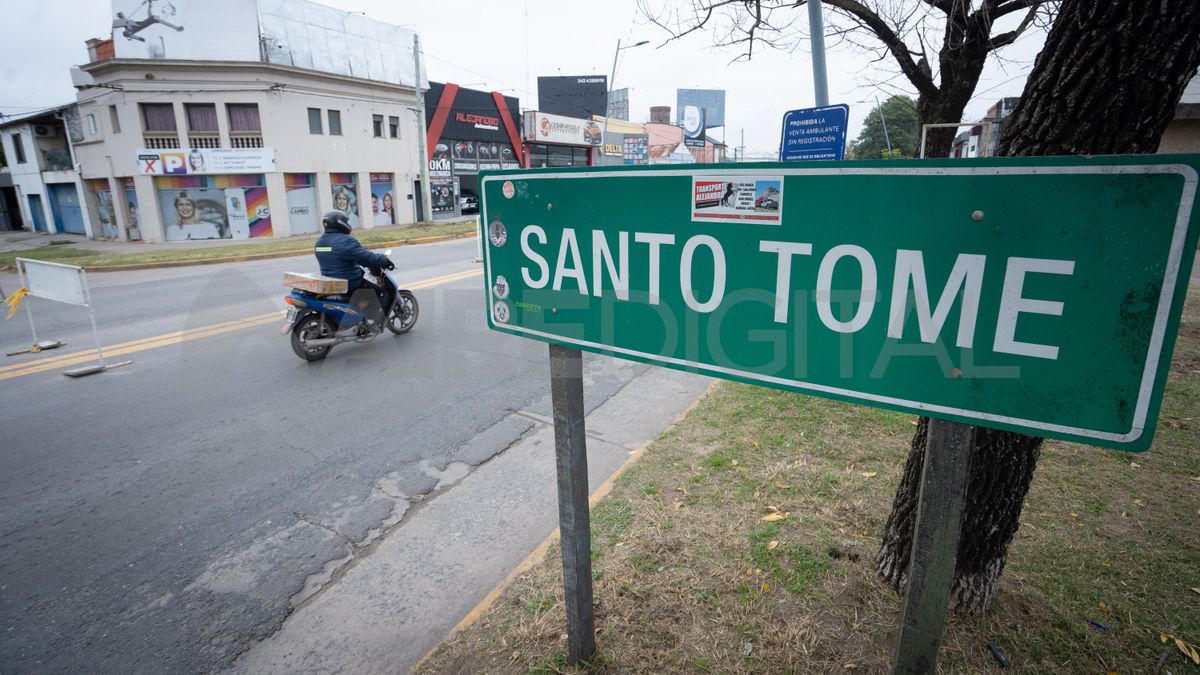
[[1107, 82]]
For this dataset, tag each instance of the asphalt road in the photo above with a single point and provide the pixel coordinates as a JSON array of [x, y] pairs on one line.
[[164, 516]]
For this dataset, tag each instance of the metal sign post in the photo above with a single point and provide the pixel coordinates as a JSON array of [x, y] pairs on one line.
[[944, 479], [574, 524]]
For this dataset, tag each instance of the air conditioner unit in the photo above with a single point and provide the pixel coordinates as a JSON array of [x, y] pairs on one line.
[[44, 130]]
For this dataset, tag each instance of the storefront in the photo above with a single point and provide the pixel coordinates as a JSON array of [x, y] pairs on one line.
[[468, 131], [102, 205], [301, 191], [212, 193], [554, 140], [625, 143]]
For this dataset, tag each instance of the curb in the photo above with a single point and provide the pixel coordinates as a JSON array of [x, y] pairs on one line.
[[269, 256], [538, 554]]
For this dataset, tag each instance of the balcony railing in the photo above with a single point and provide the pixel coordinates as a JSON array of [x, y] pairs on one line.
[[160, 141], [245, 140], [56, 160], [204, 140]]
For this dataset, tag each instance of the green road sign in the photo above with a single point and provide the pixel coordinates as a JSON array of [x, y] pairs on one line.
[[1039, 295]]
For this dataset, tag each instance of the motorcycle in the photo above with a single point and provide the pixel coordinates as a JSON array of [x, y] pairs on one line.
[[318, 319]]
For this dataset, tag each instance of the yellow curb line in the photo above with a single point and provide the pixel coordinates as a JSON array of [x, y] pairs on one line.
[[537, 554], [179, 337]]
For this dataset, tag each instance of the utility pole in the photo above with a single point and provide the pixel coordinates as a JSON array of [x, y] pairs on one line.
[[608, 99], [887, 139], [816, 33], [426, 196], [607, 105], [742, 148]]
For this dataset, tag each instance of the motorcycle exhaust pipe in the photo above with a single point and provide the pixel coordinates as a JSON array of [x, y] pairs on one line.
[[324, 342]]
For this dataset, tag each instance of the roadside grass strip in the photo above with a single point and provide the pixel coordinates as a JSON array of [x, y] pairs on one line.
[[744, 541], [63, 251]]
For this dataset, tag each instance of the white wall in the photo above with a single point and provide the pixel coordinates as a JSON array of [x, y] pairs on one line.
[[283, 96], [27, 176]]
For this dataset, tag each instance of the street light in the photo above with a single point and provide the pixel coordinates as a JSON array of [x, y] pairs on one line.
[[608, 94]]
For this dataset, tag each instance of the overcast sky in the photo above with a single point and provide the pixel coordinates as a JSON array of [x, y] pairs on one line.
[[506, 44]]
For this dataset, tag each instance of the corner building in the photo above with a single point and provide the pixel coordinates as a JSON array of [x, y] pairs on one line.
[[211, 138]]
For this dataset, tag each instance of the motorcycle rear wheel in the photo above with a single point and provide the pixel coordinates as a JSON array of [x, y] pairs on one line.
[[311, 327], [404, 313]]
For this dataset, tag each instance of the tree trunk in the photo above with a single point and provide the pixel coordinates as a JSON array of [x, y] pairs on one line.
[[1107, 82]]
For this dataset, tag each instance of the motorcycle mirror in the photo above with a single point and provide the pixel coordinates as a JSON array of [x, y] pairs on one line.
[[387, 252]]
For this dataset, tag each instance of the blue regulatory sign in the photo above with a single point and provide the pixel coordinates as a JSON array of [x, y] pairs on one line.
[[814, 133]]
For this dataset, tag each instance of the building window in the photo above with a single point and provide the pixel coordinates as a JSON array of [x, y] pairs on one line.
[[394, 126], [335, 123], [19, 148], [556, 155], [377, 125], [158, 117], [116, 121], [202, 125], [201, 117], [314, 121], [243, 118], [91, 122]]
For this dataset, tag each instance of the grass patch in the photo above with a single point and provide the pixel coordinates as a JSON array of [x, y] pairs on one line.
[[695, 580], [64, 251]]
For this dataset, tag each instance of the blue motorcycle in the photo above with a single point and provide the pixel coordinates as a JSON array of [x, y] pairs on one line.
[[320, 316]]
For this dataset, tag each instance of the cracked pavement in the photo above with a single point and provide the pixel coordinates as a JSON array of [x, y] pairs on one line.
[[170, 516]]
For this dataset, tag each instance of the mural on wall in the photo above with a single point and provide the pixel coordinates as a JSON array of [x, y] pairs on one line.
[[383, 200], [213, 207], [102, 198], [133, 226], [194, 213], [345, 195]]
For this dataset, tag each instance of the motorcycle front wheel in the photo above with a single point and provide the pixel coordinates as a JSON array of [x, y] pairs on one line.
[[404, 313], [311, 327]]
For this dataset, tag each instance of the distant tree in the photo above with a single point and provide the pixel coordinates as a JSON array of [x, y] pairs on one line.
[[899, 113]]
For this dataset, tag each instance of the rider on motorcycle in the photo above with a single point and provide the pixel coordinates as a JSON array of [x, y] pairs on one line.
[[342, 257]]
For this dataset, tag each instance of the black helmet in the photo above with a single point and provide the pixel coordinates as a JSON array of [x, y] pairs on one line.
[[336, 220]]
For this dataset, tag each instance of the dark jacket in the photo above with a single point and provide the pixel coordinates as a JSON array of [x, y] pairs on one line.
[[340, 257]]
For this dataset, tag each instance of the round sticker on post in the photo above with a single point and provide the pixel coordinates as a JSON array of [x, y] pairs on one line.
[[497, 233], [500, 288], [508, 189], [501, 312]]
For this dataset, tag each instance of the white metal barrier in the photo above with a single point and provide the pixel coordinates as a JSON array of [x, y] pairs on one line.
[[61, 283]]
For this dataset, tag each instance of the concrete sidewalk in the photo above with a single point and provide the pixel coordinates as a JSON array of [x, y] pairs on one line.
[[401, 600]]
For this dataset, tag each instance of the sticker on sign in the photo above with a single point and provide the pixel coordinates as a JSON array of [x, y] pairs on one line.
[[721, 199], [1039, 295]]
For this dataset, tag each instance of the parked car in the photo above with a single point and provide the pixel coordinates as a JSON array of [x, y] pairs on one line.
[[468, 202]]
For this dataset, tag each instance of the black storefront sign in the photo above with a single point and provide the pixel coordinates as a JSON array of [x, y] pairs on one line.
[[573, 96], [471, 116]]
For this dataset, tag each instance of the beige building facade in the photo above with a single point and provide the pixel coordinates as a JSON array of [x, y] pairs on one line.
[[177, 150]]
